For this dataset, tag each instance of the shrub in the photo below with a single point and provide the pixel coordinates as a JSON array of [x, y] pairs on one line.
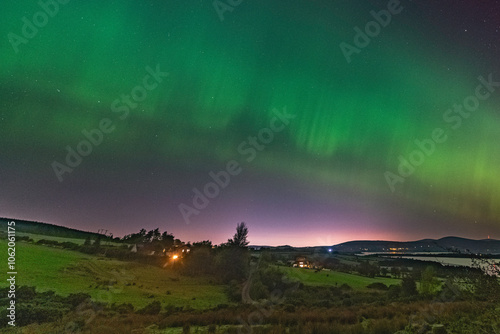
[[439, 329], [258, 290], [69, 245], [123, 308], [28, 314], [152, 308], [289, 308], [377, 286], [48, 242], [25, 293], [76, 299], [233, 291], [409, 287], [394, 291]]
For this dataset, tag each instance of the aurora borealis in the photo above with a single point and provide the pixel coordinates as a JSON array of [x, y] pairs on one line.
[[319, 180]]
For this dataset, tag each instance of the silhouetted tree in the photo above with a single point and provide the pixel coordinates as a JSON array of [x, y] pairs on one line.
[[135, 238], [156, 234], [240, 237], [199, 262], [232, 260], [167, 240], [149, 236], [203, 244]]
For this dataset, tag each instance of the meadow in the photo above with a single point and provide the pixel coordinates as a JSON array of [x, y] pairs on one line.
[[199, 303], [335, 278], [108, 280]]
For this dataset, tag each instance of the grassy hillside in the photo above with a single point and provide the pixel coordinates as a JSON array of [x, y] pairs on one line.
[[78, 241], [332, 278], [47, 229], [108, 280]]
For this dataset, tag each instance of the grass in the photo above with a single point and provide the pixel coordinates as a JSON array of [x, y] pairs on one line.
[[108, 280], [77, 241], [332, 278]]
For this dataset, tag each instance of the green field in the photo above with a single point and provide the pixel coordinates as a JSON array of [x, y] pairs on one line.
[[332, 278], [107, 280], [77, 241]]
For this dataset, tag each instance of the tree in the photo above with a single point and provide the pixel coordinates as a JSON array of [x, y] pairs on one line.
[[87, 242], [233, 260], [167, 240], [203, 244], [232, 263], [409, 287], [240, 237], [395, 272], [368, 269], [199, 262], [135, 238], [156, 234], [149, 236], [429, 282]]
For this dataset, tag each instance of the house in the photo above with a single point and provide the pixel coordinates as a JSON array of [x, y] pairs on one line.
[[302, 262], [137, 248], [177, 251], [145, 249]]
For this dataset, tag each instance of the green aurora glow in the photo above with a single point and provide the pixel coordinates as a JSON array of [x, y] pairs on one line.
[[352, 121]]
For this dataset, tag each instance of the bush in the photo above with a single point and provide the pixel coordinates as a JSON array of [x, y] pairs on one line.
[[378, 286], [25, 293], [151, 309], [439, 329], [69, 245], [258, 290], [123, 308], [233, 291], [76, 299], [48, 242], [394, 291], [409, 287], [28, 314]]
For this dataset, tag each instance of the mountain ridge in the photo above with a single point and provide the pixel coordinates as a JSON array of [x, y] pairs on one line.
[[445, 244]]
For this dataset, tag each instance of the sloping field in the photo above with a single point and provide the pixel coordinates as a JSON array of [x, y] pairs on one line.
[[108, 280], [332, 278]]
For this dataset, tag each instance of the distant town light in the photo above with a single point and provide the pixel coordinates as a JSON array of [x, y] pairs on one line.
[[330, 250], [175, 257]]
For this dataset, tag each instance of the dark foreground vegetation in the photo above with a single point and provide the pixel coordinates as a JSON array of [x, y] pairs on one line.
[[267, 292], [47, 312]]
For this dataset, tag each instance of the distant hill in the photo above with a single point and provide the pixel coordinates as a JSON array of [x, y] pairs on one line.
[[447, 244], [48, 229]]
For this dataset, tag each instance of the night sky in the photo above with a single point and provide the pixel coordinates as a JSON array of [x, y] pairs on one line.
[[323, 134]]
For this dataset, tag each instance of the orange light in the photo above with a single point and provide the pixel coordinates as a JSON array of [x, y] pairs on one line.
[[174, 257]]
